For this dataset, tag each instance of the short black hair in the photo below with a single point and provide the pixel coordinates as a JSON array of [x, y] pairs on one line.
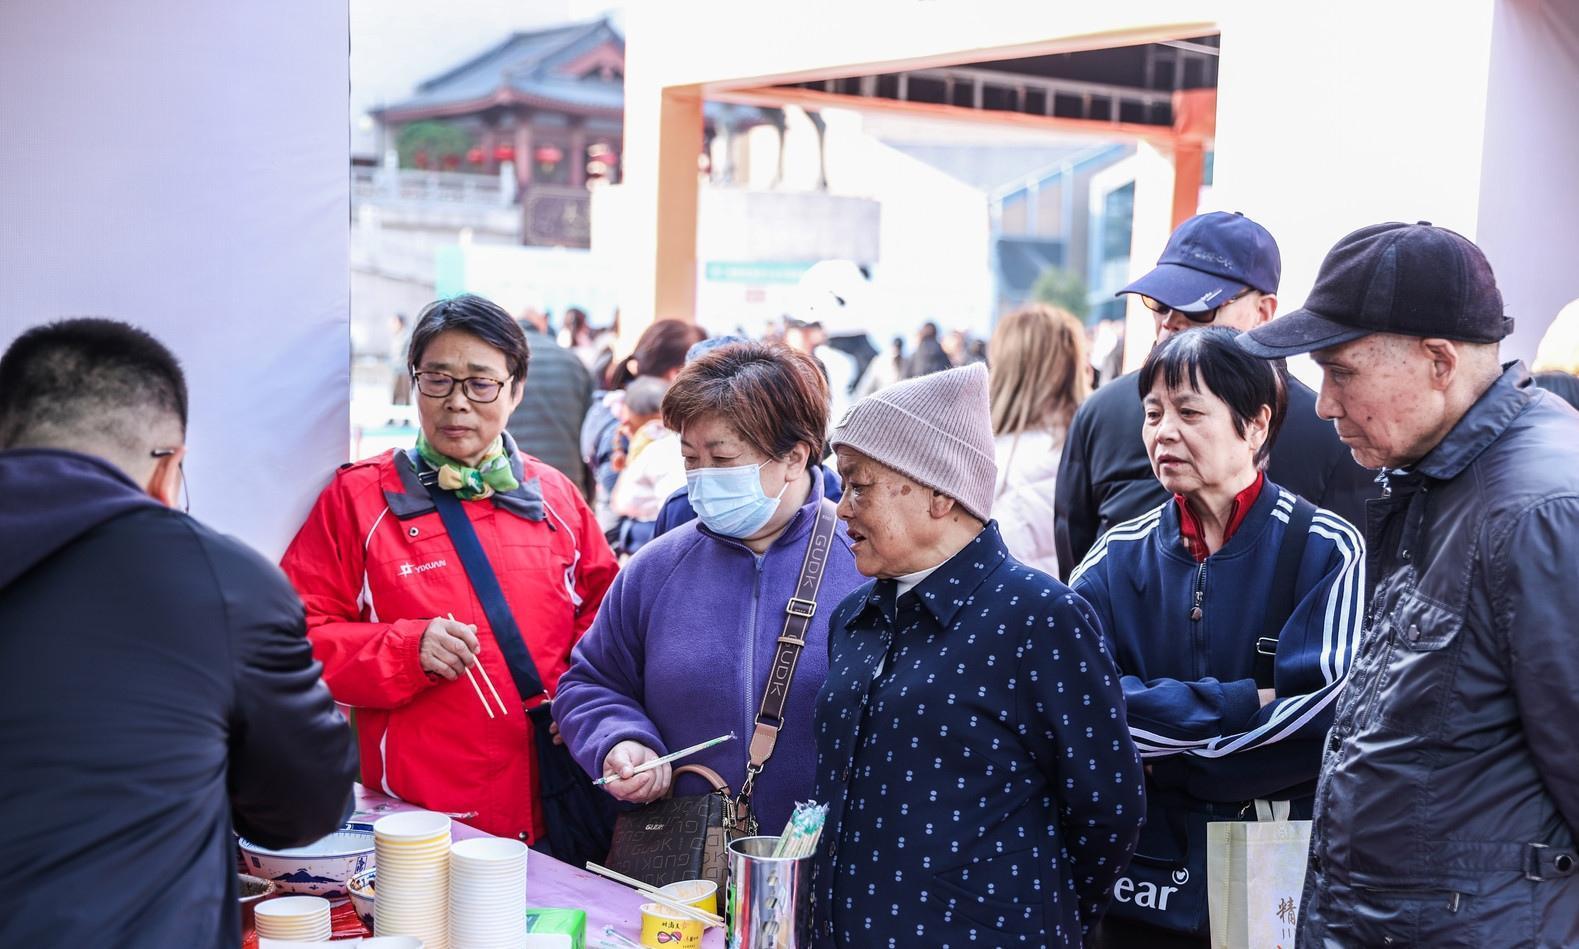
[[1209, 357], [483, 319], [67, 376]]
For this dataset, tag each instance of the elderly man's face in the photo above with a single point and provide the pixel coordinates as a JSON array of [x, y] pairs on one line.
[[1378, 392], [888, 517]]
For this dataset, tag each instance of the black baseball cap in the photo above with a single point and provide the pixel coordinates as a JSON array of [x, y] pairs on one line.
[[1410, 279], [1209, 259]]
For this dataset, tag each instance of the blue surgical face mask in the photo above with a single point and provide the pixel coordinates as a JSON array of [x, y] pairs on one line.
[[730, 501]]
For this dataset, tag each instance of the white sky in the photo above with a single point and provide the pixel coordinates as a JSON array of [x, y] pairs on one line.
[[396, 44]]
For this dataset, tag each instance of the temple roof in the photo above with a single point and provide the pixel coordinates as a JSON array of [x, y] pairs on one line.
[[553, 68], [577, 68]]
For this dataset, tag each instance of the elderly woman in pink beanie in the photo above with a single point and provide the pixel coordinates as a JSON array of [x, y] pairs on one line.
[[971, 741]]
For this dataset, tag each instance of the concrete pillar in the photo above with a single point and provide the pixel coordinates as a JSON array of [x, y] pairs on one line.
[[663, 140], [1153, 222]]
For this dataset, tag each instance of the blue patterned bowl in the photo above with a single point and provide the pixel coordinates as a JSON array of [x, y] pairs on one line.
[[318, 869], [362, 888]]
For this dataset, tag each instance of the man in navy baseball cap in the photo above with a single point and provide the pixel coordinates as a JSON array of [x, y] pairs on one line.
[[1216, 267], [1219, 269]]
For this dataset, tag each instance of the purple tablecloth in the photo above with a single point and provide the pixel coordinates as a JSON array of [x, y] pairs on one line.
[[550, 883]]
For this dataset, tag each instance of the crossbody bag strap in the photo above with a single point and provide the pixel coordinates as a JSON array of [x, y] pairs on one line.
[[798, 614], [1280, 601], [486, 585]]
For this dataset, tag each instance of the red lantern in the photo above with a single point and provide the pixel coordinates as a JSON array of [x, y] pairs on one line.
[[475, 156], [504, 153], [548, 154]]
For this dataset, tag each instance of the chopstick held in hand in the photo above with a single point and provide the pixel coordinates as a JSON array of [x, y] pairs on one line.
[[479, 667]]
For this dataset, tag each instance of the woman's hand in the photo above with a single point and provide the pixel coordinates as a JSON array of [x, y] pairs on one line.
[[635, 788], [448, 648], [1267, 696]]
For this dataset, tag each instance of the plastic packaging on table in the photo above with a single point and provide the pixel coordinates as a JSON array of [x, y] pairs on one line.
[[556, 929]]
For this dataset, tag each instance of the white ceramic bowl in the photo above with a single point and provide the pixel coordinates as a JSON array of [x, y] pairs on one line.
[[318, 869], [412, 826]]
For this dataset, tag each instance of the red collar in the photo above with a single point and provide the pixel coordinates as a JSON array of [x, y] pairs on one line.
[[1190, 528]]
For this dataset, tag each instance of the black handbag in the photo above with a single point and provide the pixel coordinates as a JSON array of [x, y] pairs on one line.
[[580, 818], [687, 838], [677, 838]]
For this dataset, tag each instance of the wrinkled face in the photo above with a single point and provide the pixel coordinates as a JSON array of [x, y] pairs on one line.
[[887, 516], [1245, 312], [1191, 441], [1377, 392], [453, 424]]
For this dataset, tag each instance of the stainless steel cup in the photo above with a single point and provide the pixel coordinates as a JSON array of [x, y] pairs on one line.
[[769, 897]]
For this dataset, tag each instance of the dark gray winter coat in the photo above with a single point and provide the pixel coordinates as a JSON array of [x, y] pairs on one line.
[[1449, 798]]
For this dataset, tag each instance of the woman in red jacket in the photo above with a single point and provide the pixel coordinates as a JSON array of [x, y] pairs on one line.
[[380, 578]]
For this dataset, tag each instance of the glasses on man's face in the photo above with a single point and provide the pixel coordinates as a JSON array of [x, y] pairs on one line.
[[439, 385], [1163, 310], [186, 496]]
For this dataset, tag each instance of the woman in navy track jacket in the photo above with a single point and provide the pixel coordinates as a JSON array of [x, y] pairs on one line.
[[1232, 611]]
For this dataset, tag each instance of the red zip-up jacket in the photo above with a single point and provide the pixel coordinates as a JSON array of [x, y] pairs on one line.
[[374, 565]]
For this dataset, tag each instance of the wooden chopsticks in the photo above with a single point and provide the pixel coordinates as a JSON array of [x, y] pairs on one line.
[[479, 667], [688, 910]]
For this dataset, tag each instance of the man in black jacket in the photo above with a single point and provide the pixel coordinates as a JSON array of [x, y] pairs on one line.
[[156, 684], [1218, 269], [1448, 806]]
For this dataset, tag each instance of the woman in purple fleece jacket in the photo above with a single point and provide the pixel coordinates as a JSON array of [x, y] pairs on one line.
[[680, 650]]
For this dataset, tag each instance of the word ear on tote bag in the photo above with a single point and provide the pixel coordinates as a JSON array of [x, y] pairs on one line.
[[677, 838], [1255, 871]]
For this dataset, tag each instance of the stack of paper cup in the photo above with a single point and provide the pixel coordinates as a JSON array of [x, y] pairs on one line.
[[294, 918], [413, 860], [487, 894]]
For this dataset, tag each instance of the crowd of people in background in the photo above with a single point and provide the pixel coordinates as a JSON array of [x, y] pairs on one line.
[[1025, 625]]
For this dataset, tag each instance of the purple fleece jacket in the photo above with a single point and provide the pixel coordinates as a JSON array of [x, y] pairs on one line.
[[679, 653]]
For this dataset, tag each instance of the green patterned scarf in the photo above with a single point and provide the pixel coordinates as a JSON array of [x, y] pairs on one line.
[[468, 483]]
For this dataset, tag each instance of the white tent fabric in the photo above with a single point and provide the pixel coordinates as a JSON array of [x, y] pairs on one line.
[[183, 165]]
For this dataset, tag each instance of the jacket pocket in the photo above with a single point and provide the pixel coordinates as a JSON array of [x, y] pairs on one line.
[[1415, 683], [1438, 917], [1422, 625], [1002, 893]]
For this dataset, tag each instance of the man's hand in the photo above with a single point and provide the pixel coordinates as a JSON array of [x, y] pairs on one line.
[[635, 788], [448, 648]]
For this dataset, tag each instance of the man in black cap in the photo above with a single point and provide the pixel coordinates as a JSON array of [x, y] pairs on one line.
[[1449, 798], [1218, 269]]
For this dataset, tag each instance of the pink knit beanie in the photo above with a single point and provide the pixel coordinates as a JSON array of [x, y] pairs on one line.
[[935, 430]]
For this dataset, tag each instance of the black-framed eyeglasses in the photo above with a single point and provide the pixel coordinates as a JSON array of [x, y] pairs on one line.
[[439, 385], [186, 495], [1204, 317]]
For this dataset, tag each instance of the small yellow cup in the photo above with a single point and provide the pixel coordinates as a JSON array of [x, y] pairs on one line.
[[662, 928], [702, 894]]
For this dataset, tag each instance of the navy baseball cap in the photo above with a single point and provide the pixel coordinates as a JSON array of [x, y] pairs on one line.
[[1409, 279], [1209, 259]]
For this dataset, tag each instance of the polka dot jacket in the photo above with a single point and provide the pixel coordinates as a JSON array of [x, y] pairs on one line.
[[971, 745]]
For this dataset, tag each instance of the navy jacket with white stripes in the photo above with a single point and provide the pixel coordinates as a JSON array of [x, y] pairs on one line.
[[1189, 683]]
